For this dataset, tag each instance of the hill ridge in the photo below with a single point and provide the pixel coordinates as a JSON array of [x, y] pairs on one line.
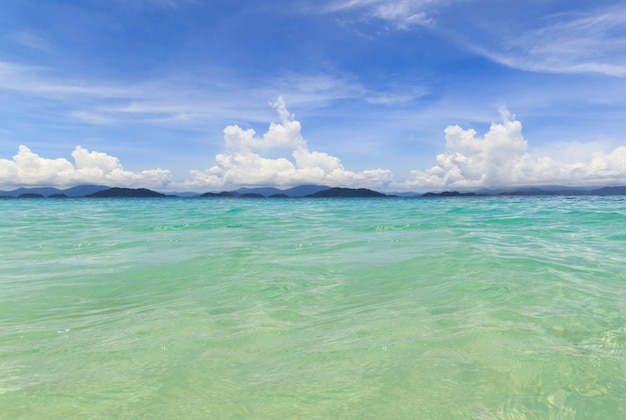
[[304, 191]]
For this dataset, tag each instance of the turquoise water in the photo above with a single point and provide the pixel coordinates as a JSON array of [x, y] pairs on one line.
[[486, 308]]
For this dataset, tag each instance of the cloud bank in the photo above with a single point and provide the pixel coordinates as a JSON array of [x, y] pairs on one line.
[[29, 169], [281, 157], [500, 158]]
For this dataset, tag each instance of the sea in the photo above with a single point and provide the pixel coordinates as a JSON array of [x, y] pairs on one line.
[[442, 308]]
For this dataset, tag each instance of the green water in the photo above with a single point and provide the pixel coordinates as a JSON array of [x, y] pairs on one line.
[[486, 308]]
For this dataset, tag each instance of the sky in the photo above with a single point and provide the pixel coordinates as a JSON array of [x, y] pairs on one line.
[[393, 95]]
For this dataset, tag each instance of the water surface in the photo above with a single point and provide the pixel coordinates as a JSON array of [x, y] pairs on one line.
[[480, 308]]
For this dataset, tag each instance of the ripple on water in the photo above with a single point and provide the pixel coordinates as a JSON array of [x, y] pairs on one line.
[[482, 308]]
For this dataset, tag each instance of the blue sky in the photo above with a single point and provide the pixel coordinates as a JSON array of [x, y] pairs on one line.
[[392, 95]]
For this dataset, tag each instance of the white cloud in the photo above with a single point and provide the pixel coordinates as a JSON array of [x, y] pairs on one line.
[[29, 169], [30, 40], [588, 39], [178, 102], [242, 162], [592, 43], [501, 158], [283, 136], [33, 81], [402, 14]]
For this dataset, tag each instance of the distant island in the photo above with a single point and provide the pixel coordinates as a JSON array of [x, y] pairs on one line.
[[347, 192], [449, 194], [125, 192], [303, 191]]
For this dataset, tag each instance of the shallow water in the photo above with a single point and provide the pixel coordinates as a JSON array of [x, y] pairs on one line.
[[482, 308]]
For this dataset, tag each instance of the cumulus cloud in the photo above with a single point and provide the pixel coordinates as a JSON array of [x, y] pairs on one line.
[[501, 158], [29, 169], [281, 157], [245, 162], [284, 136]]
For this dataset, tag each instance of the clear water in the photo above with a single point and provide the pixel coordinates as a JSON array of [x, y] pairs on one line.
[[481, 308]]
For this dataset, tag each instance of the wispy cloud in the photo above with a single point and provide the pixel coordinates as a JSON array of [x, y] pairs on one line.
[[590, 43], [593, 41], [167, 4], [36, 81], [400, 14], [313, 90], [177, 101], [30, 40]]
